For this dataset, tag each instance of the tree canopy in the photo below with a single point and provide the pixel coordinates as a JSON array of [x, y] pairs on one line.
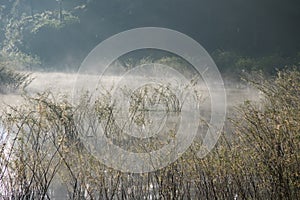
[[62, 32]]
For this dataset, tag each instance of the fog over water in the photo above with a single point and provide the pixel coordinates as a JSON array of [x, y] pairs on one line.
[[63, 83], [133, 99]]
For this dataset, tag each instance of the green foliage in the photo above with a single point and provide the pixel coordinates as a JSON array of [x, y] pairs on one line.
[[17, 27], [233, 63], [18, 60], [225, 60], [49, 19]]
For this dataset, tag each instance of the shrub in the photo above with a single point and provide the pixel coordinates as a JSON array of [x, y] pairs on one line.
[[11, 81], [269, 137], [260, 159]]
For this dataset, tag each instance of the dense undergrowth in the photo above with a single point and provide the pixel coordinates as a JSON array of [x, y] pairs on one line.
[[259, 159]]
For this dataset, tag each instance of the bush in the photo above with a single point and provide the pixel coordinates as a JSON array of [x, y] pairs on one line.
[[11, 81], [269, 137], [260, 159]]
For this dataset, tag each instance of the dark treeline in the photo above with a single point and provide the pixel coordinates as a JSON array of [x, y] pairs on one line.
[[254, 28]]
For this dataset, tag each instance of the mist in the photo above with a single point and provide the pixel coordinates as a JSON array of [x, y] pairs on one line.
[[140, 99]]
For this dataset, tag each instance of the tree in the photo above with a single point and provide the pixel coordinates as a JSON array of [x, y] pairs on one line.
[[19, 22]]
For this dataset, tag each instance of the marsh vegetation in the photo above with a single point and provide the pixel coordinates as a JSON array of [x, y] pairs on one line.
[[257, 156], [54, 145]]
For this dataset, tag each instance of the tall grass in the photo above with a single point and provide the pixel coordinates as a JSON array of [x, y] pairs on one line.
[[259, 160]]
